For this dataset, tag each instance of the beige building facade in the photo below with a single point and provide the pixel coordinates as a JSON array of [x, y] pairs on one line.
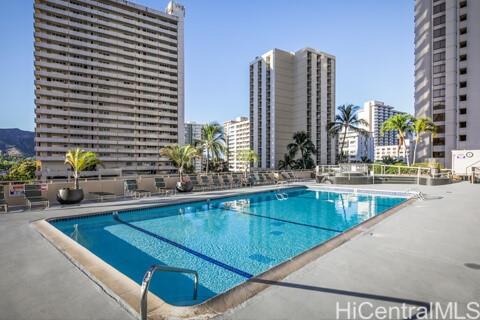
[[109, 78], [447, 75], [290, 92], [394, 152], [237, 135]]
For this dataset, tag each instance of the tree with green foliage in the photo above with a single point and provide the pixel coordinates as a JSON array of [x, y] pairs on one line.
[[248, 157], [346, 120], [419, 127], [80, 160], [402, 123], [287, 162], [181, 156], [218, 165], [23, 170], [302, 143], [212, 142]]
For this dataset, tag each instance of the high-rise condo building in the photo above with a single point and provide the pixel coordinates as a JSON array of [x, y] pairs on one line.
[[237, 134], [109, 78], [375, 113], [290, 92], [447, 75], [193, 133]]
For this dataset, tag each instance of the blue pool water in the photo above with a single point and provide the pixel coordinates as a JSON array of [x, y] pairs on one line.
[[226, 240]]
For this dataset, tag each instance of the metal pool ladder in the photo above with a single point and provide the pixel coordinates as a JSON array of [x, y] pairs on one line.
[[280, 195], [148, 277]]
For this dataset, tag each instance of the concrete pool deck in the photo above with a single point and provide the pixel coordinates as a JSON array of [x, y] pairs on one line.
[[423, 253]]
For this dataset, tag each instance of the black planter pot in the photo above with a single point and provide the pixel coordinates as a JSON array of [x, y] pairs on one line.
[[186, 186], [69, 196]]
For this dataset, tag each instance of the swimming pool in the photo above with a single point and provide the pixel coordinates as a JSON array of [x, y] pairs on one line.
[[226, 240]]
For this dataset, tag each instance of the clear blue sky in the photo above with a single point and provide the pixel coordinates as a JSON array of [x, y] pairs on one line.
[[372, 40]]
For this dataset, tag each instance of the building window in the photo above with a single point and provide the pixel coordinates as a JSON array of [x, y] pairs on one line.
[[463, 4], [463, 44], [439, 68], [440, 44], [463, 57], [439, 32], [462, 97], [439, 20], [462, 137], [463, 71], [462, 111], [439, 93], [438, 81], [438, 106], [437, 154], [463, 84], [462, 124], [438, 141], [439, 8], [463, 30], [439, 56], [463, 17], [439, 117]]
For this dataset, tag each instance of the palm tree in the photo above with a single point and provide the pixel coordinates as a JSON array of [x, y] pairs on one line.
[[401, 123], [345, 120], [181, 156], [248, 156], [212, 141], [80, 160], [422, 125], [301, 143], [287, 162]]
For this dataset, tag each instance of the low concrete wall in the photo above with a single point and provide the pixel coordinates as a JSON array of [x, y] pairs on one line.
[[116, 185]]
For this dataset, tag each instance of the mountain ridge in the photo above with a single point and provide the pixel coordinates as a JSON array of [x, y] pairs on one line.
[[17, 142]]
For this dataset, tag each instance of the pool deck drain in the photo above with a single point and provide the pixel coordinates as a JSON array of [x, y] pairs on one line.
[[417, 255]]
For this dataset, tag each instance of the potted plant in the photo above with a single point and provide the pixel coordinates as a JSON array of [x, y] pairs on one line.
[[79, 160], [181, 157]]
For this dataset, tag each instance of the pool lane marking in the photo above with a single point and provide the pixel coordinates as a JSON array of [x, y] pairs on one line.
[[191, 251], [282, 220]]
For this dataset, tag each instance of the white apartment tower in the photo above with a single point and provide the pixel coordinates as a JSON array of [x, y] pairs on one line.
[[376, 113], [447, 75], [290, 92], [357, 147], [109, 78], [237, 134]]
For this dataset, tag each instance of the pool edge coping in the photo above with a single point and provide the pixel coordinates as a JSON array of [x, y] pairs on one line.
[[126, 291]]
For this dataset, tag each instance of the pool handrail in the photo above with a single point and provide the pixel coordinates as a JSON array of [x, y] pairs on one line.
[[148, 277]]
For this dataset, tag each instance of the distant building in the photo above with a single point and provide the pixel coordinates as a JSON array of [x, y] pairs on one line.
[[391, 151], [357, 147], [290, 92], [376, 113], [237, 135], [193, 133], [109, 78], [447, 75]]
